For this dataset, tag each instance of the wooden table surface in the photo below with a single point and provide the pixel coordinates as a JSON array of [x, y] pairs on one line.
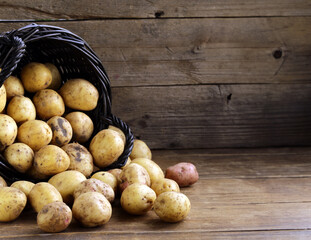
[[241, 194]]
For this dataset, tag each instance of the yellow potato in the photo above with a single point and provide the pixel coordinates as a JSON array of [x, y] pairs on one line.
[[12, 203], [34, 174], [13, 87], [8, 131], [66, 182], [35, 133], [24, 186], [80, 158], [82, 126], [50, 160], [20, 156], [108, 178], [127, 163], [2, 98], [2, 182], [137, 199], [79, 94], [43, 193], [21, 109], [35, 76], [94, 185], [61, 129], [56, 77], [48, 104], [172, 206], [92, 209], [153, 169], [54, 217], [118, 130], [140, 150], [164, 185], [106, 147]]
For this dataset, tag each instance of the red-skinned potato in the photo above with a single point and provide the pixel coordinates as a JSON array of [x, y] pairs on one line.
[[185, 174]]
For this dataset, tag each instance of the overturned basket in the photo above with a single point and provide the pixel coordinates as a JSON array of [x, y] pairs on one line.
[[75, 59]]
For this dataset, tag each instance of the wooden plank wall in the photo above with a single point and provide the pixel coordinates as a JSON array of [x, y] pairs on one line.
[[196, 74]]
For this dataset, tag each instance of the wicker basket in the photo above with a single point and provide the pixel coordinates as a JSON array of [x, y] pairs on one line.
[[75, 59]]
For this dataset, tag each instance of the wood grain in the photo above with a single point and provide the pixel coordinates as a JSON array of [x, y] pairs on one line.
[[43, 10]]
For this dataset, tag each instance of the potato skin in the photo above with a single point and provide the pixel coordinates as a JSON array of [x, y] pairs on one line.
[[153, 169], [137, 199], [13, 202], [108, 178], [66, 183], [43, 193], [20, 156], [61, 129], [94, 185], [8, 131], [79, 94], [56, 77], [165, 185], [24, 186], [118, 130], [185, 174], [172, 206], [50, 160], [35, 133], [13, 87], [54, 217], [3, 98], [106, 147], [35, 76], [3, 182], [21, 109], [140, 150], [92, 209]]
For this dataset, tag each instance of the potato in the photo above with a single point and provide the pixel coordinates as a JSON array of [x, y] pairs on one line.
[[106, 147], [2, 98], [54, 217], [48, 104], [12, 203], [108, 178], [92, 209], [140, 150], [127, 163], [61, 130], [34, 174], [21, 109], [20, 156], [8, 131], [24, 186], [35, 76], [137, 199], [79, 94], [82, 126], [117, 173], [185, 174], [66, 182], [2, 182], [133, 173], [43, 193], [164, 185], [50, 160], [94, 185], [13, 87], [172, 206], [56, 77], [80, 158], [35, 133], [118, 130], [153, 169]]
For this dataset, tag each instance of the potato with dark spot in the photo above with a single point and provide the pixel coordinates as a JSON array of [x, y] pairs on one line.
[[20, 156], [2, 182], [164, 185], [35, 133], [172, 206], [48, 104], [35, 76], [43, 193], [54, 217], [13, 87], [3, 98], [56, 77], [80, 158], [61, 130], [140, 150], [108, 178], [94, 185], [12, 203], [185, 174], [8, 131], [82, 126], [137, 199], [92, 209], [21, 109]]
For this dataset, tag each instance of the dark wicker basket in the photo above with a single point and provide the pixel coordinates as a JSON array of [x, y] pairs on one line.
[[75, 59]]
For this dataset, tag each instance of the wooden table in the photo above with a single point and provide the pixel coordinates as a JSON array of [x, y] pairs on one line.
[[241, 194]]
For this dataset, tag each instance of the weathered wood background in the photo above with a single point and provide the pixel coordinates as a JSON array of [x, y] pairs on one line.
[[196, 74]]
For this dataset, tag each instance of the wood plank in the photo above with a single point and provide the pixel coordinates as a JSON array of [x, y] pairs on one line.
[[198, 51], [42, 10], [209, 116]]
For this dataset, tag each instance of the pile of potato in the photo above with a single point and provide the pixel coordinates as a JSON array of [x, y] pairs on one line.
[[43, 136]]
